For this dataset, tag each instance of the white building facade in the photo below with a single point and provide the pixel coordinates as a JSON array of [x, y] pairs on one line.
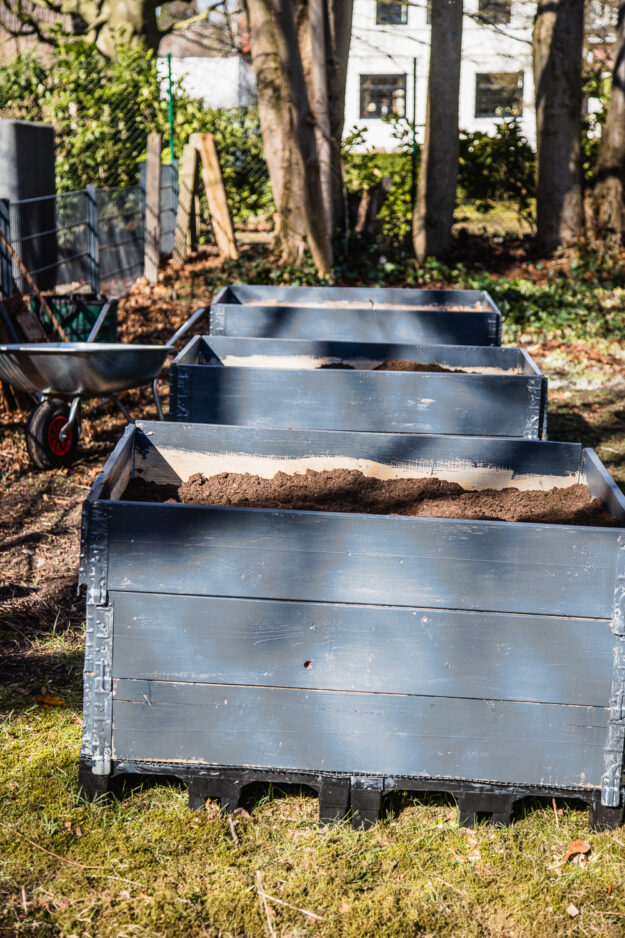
[[389, 62], [388, 68]]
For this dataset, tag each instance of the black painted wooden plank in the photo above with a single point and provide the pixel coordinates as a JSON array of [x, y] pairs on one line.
[[432, 327], [116, 472], [473, 405], [217, 348], [430, 454], [366, 296], [330, 557], [362, 648], [601, 484], [510, 742]]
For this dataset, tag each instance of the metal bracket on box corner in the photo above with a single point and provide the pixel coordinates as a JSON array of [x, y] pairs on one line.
[[614, 750], [183, 394], [97, 716]]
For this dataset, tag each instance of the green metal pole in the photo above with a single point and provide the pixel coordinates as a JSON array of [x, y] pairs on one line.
[[170, 108], [413, 183]]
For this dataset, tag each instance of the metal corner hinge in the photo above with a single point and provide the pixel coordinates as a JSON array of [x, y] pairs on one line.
[[218, 319], [94, 560], [618, 605], [98, 678], [614, 750], [183, 393]]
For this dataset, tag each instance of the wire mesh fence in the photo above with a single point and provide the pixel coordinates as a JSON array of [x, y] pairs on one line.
[[120, 238], [86, 241]]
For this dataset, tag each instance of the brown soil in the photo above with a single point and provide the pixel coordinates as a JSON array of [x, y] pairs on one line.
[[399, 364], [349, 490]]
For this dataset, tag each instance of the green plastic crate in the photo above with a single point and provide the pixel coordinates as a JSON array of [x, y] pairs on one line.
[[77, 315]]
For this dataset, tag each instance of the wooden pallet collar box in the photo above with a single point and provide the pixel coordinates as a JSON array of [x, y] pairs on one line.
[[361, 653], [371, 314], [279, 383]]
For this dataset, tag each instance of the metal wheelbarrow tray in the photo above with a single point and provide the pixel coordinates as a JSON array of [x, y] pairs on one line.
[[279, 383], [59, 375], [357, 654], [366, 314]]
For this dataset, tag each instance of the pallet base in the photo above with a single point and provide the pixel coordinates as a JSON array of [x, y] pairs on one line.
[[343, 796]]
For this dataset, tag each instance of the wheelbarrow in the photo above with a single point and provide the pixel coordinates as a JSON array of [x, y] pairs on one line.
[[59, 375]]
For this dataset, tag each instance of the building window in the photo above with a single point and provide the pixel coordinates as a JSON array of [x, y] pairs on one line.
[[496, 12], [391, 14], [499, 94], [382, 96]]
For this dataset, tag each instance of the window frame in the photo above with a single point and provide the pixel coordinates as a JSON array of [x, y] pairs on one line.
[[391, 4], [513, 112], [400, 80], [497, 15]]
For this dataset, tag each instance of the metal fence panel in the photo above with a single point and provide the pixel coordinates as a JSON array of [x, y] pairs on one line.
[[120, 214]]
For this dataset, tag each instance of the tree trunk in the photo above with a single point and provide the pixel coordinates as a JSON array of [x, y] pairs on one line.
[[436, 194], [608, 195], [295, 45], [557, 48]]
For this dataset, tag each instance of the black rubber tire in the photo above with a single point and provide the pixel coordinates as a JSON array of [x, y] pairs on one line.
[[45, 448]]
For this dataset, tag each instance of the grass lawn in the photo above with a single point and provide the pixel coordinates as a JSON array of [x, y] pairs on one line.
[[147, 866]]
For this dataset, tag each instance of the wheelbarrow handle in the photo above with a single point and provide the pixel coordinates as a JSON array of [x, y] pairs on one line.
[[191, 321]]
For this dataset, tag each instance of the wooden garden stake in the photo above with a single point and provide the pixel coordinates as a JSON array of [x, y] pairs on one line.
[[152, 208], [216, 195], [186, 233]]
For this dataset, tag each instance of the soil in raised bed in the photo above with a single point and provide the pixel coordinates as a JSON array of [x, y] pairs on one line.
[[399, 364], [348, 490]]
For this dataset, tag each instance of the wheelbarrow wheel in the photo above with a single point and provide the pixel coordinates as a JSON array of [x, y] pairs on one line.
[[46, 447]]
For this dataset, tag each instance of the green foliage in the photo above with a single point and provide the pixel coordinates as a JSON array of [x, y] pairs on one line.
[[597, 87], [491, 169], [102, 112], [364, 167], [496, 167]]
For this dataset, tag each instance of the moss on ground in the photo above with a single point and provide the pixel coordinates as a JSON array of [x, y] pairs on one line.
[[148, 866]]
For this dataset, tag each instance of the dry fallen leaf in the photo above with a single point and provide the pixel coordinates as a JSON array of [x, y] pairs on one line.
[[576, 848], [572, 910], [50, 700], [344, 907], [460, 857]]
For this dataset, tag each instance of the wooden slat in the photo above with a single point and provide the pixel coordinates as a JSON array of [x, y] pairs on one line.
[[513, 360], [365, 296], [441, 653], [429, 327], [473, 405], [152, 208], [164, 449], [183, 241], [326, 557], [534, 744], [601, 485], [216, 194]]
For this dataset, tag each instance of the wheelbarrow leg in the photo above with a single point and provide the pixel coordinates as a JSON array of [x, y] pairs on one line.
[[157, 400], [123, 408], [71, 418]]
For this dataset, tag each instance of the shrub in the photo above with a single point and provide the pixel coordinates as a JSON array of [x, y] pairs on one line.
[[497, 167]]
